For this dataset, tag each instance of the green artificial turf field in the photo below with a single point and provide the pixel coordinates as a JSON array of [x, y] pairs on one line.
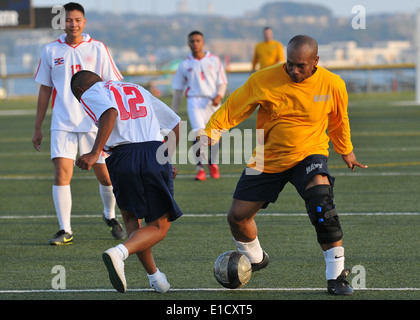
[[379, 209]]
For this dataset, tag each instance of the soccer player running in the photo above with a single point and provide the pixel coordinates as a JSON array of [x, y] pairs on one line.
[[298, 102], [70, 127], [204, 78], [130, 121], [268, 52]]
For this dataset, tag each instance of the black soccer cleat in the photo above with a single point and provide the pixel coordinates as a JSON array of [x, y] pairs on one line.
[[261, 265], [61, 238], [116, 228], [340, 286]]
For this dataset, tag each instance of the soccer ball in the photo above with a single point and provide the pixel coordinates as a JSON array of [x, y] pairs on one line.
[[232, 269]]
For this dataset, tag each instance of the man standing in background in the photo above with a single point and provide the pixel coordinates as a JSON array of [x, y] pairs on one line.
[[203, 77], [268, 52]]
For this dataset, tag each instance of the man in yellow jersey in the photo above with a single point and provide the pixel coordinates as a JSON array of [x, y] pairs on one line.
[[298, 102], [268, 52]]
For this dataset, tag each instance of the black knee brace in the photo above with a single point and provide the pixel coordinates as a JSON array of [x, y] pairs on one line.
[[320, 206]]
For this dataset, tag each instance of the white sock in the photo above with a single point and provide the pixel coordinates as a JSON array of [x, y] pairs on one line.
[[122, 251], [155, 276], [252, 250], [108, 199], [62, 203], [158, 281], [334, 259]]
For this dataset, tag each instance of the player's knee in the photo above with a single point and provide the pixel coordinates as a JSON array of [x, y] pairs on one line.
[[235, 217], [161, 225], [238, 218], [321, 209], [62, 177], [243, 212], [63, 171], [231, 218]]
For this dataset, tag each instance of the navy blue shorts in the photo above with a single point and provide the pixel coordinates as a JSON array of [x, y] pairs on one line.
[[267, 186], [141, 184]]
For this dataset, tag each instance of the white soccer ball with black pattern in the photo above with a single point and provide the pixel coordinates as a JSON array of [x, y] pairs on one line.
[[232, 269]]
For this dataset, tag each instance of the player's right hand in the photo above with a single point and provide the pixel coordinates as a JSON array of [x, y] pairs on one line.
[[350, 160], [86, 161], [36, 140]]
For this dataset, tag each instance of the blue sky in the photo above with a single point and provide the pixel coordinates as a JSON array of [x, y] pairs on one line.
[[234, 7]]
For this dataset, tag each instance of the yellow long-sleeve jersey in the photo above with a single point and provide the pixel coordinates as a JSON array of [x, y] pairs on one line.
[[268, 54], [294, 117]]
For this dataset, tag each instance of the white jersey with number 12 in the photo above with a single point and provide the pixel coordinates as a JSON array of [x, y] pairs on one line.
[[141, 116]]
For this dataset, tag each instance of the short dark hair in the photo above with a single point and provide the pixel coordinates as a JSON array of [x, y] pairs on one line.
[[301, 40], [74, 6], [84, 77], [193, 33]]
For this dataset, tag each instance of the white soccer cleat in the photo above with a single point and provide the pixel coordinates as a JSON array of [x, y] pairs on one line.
[[159, 283], [115, 266]]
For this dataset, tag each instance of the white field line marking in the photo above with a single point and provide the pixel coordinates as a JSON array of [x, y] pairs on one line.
[[198, 290], [28, 112], [386, 133], [47, 153], [213, 215], [385, 149], [227, 175]]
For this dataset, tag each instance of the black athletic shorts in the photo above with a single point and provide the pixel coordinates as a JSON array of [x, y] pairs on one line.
[[141, 184], [267, 186]]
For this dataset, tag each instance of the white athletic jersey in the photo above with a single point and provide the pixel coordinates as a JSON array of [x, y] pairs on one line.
[[59, 61], [201, 77], [141, 116]]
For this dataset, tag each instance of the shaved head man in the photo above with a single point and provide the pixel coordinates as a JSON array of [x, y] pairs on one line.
[[302, 58], [82, 81], [301, 107]]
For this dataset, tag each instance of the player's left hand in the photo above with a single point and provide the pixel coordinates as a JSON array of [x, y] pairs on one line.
[[216, 101], [199, 147], [174, 172], [204, 140], [86, 161], [350, 160]]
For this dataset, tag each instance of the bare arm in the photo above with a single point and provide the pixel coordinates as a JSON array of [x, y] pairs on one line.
[[106, 124], [221, 90], [176, 100], [41, 110], [171, 142], [254, 60]]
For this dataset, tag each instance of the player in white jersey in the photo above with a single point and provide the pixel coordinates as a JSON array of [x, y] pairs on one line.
[[203, 77], [130, 124], [70, 127]]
